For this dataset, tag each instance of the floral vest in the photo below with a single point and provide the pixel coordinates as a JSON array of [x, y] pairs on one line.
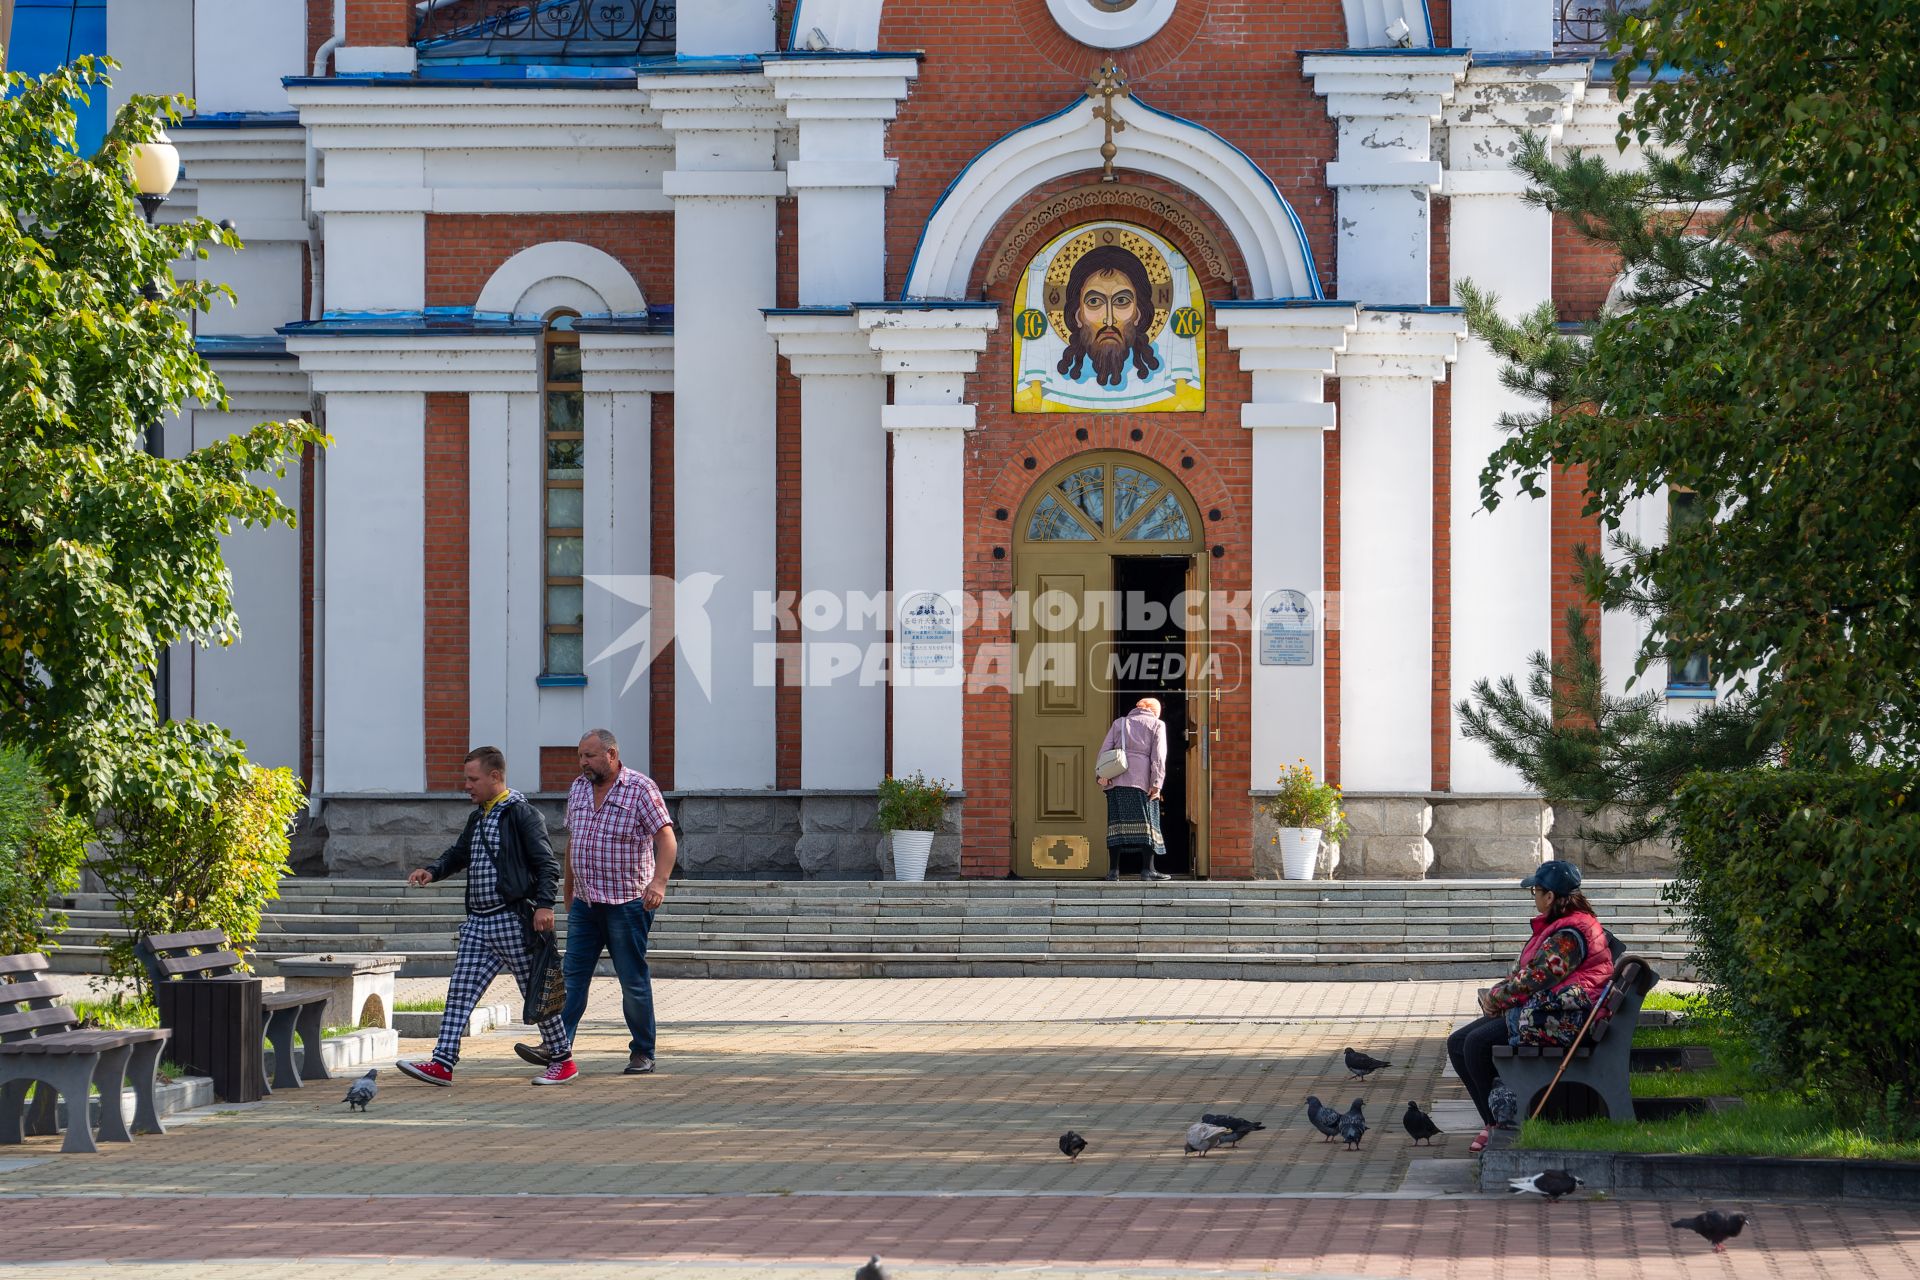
[[1593, 972]]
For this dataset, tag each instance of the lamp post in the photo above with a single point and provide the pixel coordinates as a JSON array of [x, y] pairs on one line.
[[156, 167]]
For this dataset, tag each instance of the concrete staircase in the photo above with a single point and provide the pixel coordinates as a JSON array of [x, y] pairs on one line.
[[1262, 930]]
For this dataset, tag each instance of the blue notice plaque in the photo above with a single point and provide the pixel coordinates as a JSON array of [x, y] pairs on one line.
[[1286, 630], [926, 632]]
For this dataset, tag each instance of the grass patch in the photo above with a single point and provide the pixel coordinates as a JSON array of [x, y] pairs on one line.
[[433, 1004], [1775, 1121], [116, 1014]]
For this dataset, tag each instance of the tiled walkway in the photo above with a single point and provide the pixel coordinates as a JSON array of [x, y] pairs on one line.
[[797, 1126]]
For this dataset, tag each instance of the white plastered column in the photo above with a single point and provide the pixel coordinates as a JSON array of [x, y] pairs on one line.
[[843, 544], [929, 351], [1385, 106], [723, 187], [1386, 545], [1289, 350], [1502, 567]]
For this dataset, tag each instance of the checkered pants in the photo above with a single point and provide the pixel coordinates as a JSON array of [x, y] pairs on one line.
[[489, 944]]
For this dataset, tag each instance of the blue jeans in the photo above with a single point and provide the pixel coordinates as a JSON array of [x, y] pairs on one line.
[[620, 928]]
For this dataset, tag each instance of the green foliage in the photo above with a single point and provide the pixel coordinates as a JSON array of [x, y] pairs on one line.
[[1305, 801], [1578, 745], [41, 850], [1802, 889], [1763, 357], [107, 553], [912, 803], [118, 1012], [212, 866]]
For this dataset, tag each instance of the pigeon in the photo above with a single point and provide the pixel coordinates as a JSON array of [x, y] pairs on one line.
[[1072, 1144], [1323, 1118], [1715, 1226], [1552, 1184], [1353, 1126], [1204, 1137], [1505, 1105], [361, 1091], [1241, 1128], [872, 1270], [1420, 1125], [1363, 1065]]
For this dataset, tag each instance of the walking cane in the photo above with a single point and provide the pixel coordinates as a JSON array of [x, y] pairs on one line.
[[1568, 1060]]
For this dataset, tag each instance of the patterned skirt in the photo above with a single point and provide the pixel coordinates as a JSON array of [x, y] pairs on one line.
[[1133, 823]]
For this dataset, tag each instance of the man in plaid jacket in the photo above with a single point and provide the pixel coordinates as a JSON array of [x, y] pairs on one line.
[[511, 878], [620, 851]]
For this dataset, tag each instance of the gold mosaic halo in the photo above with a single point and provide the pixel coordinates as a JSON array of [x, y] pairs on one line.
[[1150, 255]]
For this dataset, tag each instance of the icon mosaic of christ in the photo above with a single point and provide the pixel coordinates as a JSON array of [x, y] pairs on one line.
[[1109, 318]]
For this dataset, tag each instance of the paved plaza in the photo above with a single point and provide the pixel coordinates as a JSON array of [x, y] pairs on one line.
[[796, 1126]]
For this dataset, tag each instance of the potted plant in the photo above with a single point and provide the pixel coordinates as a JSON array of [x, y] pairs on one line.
[[910, 810], [1306, 810]]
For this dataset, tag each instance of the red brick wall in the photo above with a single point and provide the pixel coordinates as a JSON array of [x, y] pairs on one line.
[[465, 249], [447, 673], [1442, 711], [660, 675], [1583, 272], [319, 27], [1572, 531], [559, 766], [786, 555], [379, 22]]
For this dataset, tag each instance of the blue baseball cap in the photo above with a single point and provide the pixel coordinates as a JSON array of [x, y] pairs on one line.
[[1555, 877]]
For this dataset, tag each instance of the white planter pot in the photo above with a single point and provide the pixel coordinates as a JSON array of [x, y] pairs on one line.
[[1299, 851], [910, 850]]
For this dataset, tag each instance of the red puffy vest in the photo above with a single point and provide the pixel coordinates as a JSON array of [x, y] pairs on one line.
[[1593, 973]]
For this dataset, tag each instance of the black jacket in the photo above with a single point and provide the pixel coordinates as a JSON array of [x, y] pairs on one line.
[[529, 872]]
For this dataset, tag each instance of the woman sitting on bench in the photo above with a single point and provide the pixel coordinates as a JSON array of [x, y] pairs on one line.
[[1546, 999]]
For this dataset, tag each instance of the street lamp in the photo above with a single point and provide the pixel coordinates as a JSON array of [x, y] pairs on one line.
[[156, 167]]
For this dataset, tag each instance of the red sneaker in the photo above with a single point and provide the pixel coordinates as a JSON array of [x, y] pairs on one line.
[[561, 1072], [431, 1071]]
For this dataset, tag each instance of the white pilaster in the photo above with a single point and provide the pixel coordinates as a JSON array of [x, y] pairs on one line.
[[929, 351], [723, 186], [1502, 561], [1386, 105], [841, 174], [1289, 349], [255, 176], [1386, 545], [843, 544]]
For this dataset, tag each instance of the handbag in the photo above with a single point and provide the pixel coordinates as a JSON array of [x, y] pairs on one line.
[[546, 984], [1111, 764]]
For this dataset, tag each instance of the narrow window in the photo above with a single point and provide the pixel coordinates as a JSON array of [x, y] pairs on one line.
[[1689, 669], [564, 410]]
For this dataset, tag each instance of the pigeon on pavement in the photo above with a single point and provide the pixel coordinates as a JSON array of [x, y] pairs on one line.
[[361, 1091], [1323, 1117], [1204, 1137], [1715, 1226], [1505, 1105], [1072, 1144], [1552, 1184], [872, 1270], [1241, 1128], [1353, 1126], [1420, 1125], [1363, 1065]]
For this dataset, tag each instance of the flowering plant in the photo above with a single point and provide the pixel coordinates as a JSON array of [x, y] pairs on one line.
[[1304, 801], [912, 803]]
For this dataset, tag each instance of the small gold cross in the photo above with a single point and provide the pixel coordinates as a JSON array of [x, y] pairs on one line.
[[1111, 83]]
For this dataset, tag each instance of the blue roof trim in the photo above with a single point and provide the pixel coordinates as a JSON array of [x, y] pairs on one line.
[[1529, 58], [656, 320], [241, 120], [1385, 53], [231, 347], [807, 311], [791, 54], [561, 682], [1421, 308], [703, 65], [1603, 70], [457, 320], [927, 304], [1264, 304]]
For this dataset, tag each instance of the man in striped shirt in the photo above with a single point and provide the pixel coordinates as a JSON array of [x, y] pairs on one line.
[[620, 851]]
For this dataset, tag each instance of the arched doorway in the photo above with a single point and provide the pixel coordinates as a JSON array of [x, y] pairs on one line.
[[1110, 571]]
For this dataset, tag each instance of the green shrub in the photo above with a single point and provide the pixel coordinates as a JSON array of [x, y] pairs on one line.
[[1304, 801], [1803, 891], [187, 867], [41, 850], [912, 803]]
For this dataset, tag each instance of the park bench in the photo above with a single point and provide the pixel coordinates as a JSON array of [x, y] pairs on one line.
[[1601, 1062], [205, 955], [41, 1045]]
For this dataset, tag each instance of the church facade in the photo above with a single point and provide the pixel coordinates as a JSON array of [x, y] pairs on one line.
[[825, 390]]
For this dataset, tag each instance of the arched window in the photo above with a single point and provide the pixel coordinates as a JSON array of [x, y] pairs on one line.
[[563, 414]]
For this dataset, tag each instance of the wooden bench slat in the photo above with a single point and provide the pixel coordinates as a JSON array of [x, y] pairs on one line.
[[28, 962], [14, 1024], [177, 941], [12, 993], [64, 1043], [291, 999], [181, 966]]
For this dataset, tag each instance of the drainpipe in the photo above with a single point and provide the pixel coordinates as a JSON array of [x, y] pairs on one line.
[[316, 251]]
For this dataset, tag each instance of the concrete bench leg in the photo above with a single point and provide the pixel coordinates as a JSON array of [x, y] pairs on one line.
[[280, 1028], [109, 1076], [141, 1067], [66, 1076], [311, 1024]]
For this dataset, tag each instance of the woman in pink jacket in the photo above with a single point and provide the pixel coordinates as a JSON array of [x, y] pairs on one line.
[[1133, 797]]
